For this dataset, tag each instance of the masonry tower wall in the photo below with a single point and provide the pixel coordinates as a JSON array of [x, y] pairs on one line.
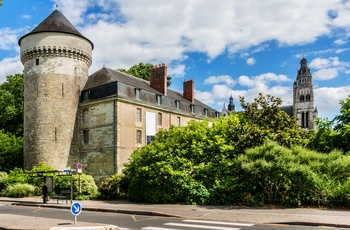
[[55, 70]]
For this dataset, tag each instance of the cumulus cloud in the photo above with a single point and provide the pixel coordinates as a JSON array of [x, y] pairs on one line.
[[339, 42], [251, 61], [219, 79], [328, 68], [9, 66], [327, 100]]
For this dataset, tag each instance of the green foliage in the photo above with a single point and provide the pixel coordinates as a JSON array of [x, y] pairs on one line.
[[84, 187], [19, 190], [113, 187], [11, 122], [11, 104], [334, 134], [3, 177], [11, 151], [143, 71]]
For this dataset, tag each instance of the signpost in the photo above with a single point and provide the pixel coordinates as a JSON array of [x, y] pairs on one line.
[[76, 209], [80, 168]]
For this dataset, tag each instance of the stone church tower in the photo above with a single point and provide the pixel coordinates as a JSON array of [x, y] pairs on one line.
[[56, 59], [303, 98]]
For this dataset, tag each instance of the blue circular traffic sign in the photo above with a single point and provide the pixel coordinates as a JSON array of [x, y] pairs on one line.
[[76, 208]]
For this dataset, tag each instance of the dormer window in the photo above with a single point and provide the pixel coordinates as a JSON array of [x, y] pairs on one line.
[[138, 93], [205, 112], [86, 95], [177, 104], [192, 108], [159, 99]]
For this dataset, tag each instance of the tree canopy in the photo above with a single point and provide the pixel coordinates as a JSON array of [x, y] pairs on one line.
[[143, 71], [333, 134], [11, 122]]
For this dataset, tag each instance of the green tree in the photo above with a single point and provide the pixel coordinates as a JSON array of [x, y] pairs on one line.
[[11, 151], [342, 125], [334, 134], [11, 104], [142, 70]]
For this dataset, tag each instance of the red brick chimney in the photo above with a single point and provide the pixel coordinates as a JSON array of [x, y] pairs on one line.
[[188, 90], [159, 78]]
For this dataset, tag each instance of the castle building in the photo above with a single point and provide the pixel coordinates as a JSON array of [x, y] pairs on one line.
[[303, 107], [96, 120]]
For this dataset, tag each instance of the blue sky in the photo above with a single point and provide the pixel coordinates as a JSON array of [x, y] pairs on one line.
[[227, 47]]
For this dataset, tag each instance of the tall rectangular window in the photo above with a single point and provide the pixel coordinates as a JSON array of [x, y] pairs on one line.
[[138, 94], [205, 112], [160, 119], [37, 61], [192, 108], [139, 136], [86, 136], [138, 115], [159, 99], [178, 121], [86, 116], [177, 104]]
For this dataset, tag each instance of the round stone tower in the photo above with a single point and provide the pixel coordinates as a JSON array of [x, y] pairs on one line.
[[56, 59]]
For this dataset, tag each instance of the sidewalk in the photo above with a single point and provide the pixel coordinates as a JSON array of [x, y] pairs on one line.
[[299, 216]]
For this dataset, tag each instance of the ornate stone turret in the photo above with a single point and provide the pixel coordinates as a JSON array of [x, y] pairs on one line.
[[303, 98], [56, 59]]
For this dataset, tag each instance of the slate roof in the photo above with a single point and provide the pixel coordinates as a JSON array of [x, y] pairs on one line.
[[107, 75], [56, 22]]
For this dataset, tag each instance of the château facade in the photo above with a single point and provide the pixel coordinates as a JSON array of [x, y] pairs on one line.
[[97, 120]]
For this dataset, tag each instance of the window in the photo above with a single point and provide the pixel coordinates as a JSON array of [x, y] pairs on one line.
[[86, 116], [178, 121], [159, 99], [160, 119], [86, 136], [205, 112], [177, 104], [217, 114], [139, 136], [138, 93], [192, 108], [307, 97], [37, 61], [139, 115], [302, 98], [86, 95]]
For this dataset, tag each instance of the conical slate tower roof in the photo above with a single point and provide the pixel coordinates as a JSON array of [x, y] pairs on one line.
[[56, 22]]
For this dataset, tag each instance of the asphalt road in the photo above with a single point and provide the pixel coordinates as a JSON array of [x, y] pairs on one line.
[[138, 222]]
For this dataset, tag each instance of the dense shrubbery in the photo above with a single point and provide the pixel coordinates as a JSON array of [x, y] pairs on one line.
[[19, 183], [252, 158], [113, 187]]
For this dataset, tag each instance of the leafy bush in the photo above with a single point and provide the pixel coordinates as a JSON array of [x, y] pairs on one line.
[[113, 187], [19, 190], [84, 187], [3, 177]]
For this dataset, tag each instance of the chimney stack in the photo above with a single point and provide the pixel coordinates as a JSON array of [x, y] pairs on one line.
[[159, 78], [188, 90]]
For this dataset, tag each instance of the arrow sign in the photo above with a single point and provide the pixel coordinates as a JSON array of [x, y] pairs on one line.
[[76, 208]]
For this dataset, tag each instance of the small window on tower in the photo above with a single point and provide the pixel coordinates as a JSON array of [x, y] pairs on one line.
[[37, 61]]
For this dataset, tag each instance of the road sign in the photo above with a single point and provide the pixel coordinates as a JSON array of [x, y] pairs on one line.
[[80, 168], [76, 208]]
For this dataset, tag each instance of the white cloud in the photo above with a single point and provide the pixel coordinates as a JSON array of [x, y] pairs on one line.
[[325, 74], [219, 79], [9, 66], [327, 100], [156, 30], [339, 42], [251, 61]]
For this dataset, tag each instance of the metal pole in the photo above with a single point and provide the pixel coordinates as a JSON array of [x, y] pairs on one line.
[[75, 220], [71, 189]]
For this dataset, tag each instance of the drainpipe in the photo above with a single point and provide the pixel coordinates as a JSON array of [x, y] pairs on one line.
[[115, 165]]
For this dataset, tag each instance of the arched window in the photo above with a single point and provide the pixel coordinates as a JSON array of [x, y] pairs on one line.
[[307, 97], [302, 98]]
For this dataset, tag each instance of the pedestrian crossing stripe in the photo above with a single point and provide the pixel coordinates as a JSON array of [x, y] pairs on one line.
[[219, 222], [201, 226]]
